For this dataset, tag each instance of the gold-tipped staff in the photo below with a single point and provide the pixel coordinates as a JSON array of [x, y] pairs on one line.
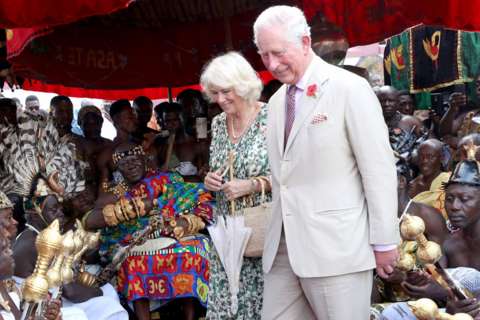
[[35, 288], [429, 253]]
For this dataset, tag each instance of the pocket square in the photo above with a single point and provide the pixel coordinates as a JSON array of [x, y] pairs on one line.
[[319, 118]]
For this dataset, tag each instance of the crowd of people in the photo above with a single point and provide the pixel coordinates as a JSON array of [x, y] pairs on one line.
[[344, 163]]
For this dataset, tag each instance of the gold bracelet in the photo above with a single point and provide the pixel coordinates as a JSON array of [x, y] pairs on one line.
[[118, 212], [135, 206], [254, 183], [125, 211], [121, 201], [109, 215], [141, 206], [128, 208]]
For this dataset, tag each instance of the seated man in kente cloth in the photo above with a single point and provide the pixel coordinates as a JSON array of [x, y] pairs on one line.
[[172, 263], [461, 248]]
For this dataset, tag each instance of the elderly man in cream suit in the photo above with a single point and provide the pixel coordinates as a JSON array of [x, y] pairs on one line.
[[333, 181]]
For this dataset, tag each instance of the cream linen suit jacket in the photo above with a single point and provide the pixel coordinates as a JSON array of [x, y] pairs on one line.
[[335, 185]]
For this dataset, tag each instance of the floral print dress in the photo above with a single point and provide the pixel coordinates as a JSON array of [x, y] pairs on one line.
[[251, 160]]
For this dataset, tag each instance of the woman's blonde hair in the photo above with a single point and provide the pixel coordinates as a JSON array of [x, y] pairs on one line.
[[231, 71]]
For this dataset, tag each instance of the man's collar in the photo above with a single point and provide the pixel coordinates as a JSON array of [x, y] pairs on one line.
[[303, 82]]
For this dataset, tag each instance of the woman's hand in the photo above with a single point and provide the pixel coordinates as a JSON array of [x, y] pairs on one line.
[[237, 188], [213, 181]]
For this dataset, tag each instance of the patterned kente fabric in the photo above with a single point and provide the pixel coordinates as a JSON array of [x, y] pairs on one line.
[[163, 269]]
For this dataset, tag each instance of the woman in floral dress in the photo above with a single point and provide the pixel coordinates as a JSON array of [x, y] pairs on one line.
[[231, 82]]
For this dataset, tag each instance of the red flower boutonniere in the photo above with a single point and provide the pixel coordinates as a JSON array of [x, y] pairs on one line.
[[312, 90]]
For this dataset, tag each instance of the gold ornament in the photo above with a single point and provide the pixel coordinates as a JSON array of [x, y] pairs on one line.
[[48, 242], [54, 275], [75, 246], [426, 309], [411, 227], [406, 262], [409, 246], [85, 277], [428, 251], [109, 215], [90, 241]]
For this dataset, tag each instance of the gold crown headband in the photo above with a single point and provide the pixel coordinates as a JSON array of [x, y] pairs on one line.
[[117, 156]]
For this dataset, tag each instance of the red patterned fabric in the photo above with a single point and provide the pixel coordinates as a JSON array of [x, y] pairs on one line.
[[48, 13], [370, 21], [94, 59]]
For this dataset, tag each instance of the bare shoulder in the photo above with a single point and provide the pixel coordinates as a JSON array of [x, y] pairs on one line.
[[454, 243], [434, 222]]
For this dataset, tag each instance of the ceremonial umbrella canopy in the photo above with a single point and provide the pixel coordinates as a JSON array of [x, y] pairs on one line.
[[155, 44]]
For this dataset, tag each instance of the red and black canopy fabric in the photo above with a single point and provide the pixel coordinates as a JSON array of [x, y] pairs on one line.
[[155, 44]]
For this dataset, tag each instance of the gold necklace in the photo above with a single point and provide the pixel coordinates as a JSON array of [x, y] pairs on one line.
[[250, 120]]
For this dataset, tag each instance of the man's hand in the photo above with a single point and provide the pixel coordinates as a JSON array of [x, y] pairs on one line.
[[425, 287], [52, 312], [396, 277], [386, 262], [469, 306]]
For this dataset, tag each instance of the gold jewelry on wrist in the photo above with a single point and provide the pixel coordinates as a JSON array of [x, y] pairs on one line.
[[127, 208], [109, 215], [118, 212], [140, 205], [135, 206], [254, 184]]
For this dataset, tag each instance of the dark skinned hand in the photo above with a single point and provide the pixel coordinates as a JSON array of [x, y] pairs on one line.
[[470, 306], [424, 287]]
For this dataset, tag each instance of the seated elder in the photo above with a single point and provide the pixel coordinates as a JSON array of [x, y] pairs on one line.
[[171, 262]]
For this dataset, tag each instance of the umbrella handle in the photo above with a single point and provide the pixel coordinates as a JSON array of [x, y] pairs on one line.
[[231, 158]]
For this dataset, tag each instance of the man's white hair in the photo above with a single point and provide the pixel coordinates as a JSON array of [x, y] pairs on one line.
[[290, 19], [231, 71]]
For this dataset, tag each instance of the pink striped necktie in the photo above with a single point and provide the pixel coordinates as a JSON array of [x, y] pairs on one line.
[[289, 112]]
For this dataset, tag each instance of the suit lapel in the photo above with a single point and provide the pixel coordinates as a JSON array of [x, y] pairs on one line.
[[307, 104]]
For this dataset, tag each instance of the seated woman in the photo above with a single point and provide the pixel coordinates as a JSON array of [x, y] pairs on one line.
[[172, 262]]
